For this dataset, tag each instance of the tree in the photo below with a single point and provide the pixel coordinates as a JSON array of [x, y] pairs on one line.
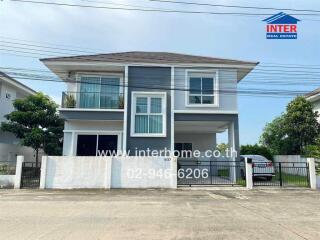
[[275, 138], [256, 150], [36, 123], [222, 147], [294, 130], [301, 125]]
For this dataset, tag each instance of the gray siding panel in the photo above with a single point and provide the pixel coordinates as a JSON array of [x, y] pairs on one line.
[[149, 79], [91, 115]]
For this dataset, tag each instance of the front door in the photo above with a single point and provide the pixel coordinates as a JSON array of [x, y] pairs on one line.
[[89, 145]]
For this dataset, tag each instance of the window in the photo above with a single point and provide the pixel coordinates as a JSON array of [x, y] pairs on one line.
[[8, 95], [148, 114], [202, 87], [100, 92], [89, 145]]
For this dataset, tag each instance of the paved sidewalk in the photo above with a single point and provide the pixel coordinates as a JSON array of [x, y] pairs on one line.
[[160, 214]]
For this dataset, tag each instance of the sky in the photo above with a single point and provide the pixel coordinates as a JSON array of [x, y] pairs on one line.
[[234, 37]]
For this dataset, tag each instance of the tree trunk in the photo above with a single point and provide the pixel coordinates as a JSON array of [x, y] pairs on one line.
[[37, 157]]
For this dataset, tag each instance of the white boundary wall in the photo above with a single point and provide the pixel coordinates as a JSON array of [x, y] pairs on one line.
[[68, 172], [7, 181], [75, 172]]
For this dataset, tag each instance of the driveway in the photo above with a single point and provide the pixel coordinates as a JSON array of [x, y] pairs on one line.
[[160, 214]]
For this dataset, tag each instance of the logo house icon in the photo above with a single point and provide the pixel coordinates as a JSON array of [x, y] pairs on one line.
[[281, 26]]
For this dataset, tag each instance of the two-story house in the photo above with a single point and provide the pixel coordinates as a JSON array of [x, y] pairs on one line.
[[147, 100], [11, 89], [314, 98]]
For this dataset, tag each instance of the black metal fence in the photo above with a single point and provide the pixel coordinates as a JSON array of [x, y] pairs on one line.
[[7, 168], [281, 174], [205, 172], [30, 175]]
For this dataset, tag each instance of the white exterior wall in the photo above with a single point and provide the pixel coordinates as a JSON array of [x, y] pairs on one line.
[[227, 81], [73, 128], [105, 172], [200, 141], [316, 107], [7, 181], [5, 103]]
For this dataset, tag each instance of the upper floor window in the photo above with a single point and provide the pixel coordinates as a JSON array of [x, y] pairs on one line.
[[202, 89], [102, 92], [148, 117]]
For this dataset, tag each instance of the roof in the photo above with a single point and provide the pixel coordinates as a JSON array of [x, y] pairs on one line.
[[148, 57], [12, 81], [313, 93], [281, 18]]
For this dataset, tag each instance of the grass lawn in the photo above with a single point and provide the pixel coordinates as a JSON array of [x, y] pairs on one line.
[[223, 173], [292, 180]]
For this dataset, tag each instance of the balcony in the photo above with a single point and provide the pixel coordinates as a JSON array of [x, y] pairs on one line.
[[92, 100]]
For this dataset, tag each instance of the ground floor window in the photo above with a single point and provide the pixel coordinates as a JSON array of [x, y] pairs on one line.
[[90, 144]]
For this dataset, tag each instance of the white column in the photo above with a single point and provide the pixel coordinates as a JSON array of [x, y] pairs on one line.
[[172, 110], [249, 181], [232, 148], [43, 172], [17, 181], [312, 173], [125, 108]]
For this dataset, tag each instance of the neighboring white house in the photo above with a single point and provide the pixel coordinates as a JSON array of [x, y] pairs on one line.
[[314, 98], [140, 100], [11, 89]]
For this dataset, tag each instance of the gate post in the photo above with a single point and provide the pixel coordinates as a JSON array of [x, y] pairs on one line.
[[280, 174], [312, 173], [249, 182], [17, 180], [43, 172]]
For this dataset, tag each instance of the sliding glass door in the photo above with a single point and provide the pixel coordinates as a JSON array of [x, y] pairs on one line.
[[109, 94], [99, 92], [90, 92]]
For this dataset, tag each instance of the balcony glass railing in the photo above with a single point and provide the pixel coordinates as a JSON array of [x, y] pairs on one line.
[[93, 100]]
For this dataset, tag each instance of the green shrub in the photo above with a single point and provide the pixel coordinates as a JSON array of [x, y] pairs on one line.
[[70, 101], [256, 150]]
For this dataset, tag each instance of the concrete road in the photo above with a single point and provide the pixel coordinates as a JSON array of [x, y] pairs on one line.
[[160, 214]]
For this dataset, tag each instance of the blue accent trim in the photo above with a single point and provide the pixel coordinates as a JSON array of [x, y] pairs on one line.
[[281, 35]]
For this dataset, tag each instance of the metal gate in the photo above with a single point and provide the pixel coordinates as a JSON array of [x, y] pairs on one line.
[[205, 172], [30, 175], [281, 174]]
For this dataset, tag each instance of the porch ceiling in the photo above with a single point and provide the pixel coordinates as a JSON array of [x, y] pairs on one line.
[[200, 126]]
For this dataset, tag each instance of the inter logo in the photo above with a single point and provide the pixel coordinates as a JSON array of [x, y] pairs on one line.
[[281, 26]]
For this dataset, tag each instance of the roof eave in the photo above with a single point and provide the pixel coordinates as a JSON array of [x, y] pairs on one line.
[[17, 84]]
